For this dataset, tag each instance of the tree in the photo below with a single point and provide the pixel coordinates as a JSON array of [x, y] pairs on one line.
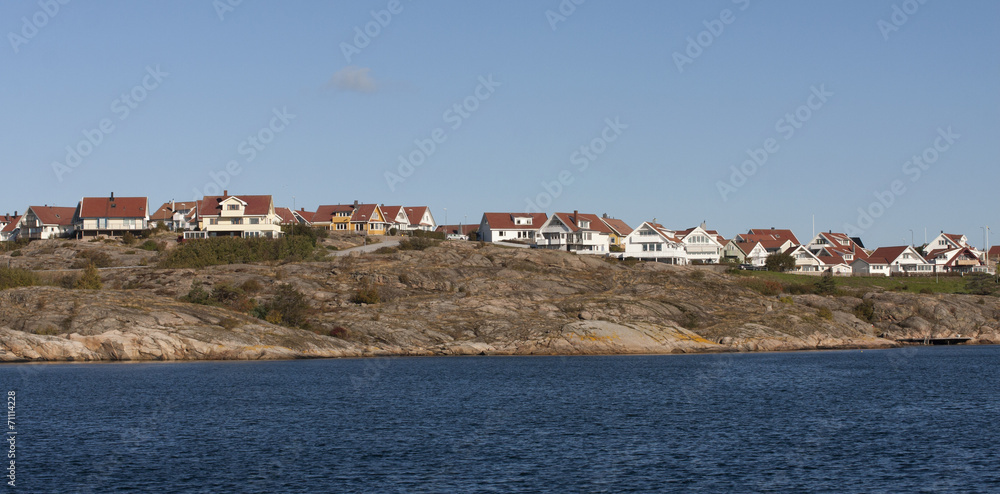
[[826, 285], [91, 279], [779, 261]]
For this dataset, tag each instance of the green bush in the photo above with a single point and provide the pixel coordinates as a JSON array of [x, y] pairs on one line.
[[366, 295], [233, 250], [764, 287], [417, 243], [152, 245], [98, 258], [982, 284], [291, 305], [128, 238], [90, 280], [826, 285], [426, 234], [16, 253], [15, 245], [15, 277], [865, 310], [779, 261], [825, 313]]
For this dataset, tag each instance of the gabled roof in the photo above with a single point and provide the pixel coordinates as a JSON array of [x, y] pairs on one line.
[[255, 205], [53, 215], [11, 225], [416, 215], [891, 254], [660, 231], [572, 221], [831, 260], [505, 221], [745, 247], [618, 226], [365, 213], [287, 217], [325, 213], [164, 213], [114, 207], [391, 212], [994, 251], [304, 215], [777, 233]]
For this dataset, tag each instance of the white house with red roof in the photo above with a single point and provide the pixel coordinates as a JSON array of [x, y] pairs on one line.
[[805, 261], [702, 245], [420, 218], [45, 222], [955, 260], [396, 216], [650, 241], [574, 232], [511, 227], [619, 230], [10, 227], [830, 244], [112, 216], [177, 216], [237, 216], [775, 234], [948, 241], [903, 259]]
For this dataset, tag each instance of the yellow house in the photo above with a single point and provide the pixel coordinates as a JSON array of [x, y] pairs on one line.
[[619, 230], [358, 218]]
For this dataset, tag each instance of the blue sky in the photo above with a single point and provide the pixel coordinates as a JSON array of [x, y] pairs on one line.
[[222, 75]]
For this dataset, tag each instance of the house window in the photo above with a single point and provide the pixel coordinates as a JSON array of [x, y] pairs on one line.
[[341, 226], [360, 227], [213, 221], [102, 222], [659, 247], [254, 221], [233, 207], [237, 221]]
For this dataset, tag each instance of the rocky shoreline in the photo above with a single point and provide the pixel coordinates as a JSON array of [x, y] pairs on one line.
[[463, 298]]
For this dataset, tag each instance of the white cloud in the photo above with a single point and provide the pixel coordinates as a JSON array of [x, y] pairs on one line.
[[352, 78]]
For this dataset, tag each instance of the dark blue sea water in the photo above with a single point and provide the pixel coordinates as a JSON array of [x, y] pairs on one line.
[[905, 420]]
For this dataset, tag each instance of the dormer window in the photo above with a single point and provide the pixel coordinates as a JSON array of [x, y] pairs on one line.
[[233, 207], [584, 224]]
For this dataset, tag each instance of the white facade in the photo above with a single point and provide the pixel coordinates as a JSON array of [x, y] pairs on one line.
[[651, 243], [702, 246], [862, 267], [233, 220], [556, 234]]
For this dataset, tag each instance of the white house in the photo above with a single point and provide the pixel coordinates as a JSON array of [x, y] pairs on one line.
[[574, 232], [805, 261], [238, 216], [177, 216], [420, 218], [112, 216], [506, 227], [651, 242], [752, 253], [871, 266], [902, 259], [830, 243], [702, 244], [955, 260], [44, 222], [10, 227]]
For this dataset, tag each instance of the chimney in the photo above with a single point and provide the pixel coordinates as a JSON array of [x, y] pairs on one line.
[[302, 210], [605, 216], [575, 212], [225, 193], [112, 197], [355, 204]]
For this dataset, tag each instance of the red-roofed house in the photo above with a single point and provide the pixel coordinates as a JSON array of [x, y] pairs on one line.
[[287, 216], [955, 260], [177, 216], [237, 216], [304, 217], [396, 216], [805, 261], [501, 227], [112, 216], [829, 244], [10, 227], [948, 241], [775, 233], [651, 242], [574, 232], [619, 230], [43, 222], [420, 218], [903, 259], [368, 219]]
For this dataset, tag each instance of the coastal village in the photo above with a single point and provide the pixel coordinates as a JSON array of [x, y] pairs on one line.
[[253, 216]]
